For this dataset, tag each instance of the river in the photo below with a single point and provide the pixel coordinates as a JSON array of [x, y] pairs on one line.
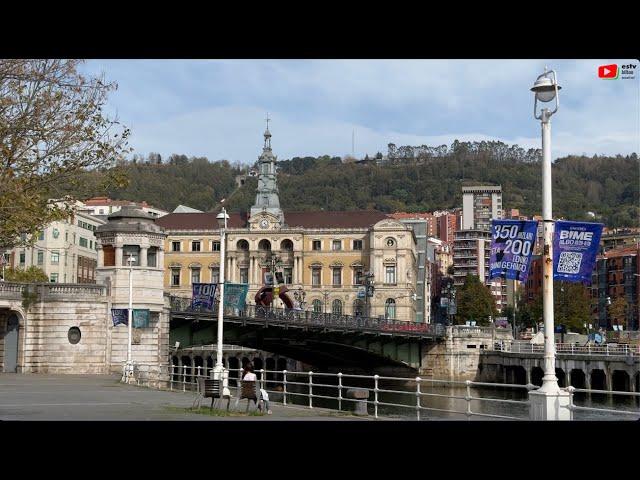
[[440, 399]]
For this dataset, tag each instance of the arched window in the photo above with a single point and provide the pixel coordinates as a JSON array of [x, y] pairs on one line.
[[286, 245], [390, 309], [242, 245], [317, 306], [264, 245], [336, 307]]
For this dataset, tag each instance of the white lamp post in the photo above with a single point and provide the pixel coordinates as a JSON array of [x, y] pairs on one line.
[[129, 365], [546, 89], [222, 217]]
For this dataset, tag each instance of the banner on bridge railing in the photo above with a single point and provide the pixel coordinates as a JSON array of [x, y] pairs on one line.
[[235, 294], [512, 243], [203, 295]]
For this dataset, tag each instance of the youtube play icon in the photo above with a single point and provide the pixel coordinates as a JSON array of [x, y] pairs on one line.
[[608, 71]]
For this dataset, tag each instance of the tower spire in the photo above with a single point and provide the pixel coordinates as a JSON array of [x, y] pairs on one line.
[[267, 135]]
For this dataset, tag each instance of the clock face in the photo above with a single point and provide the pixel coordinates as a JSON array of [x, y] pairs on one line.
[[264, 223]]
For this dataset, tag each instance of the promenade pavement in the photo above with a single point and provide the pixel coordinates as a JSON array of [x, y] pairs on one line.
[[104, 398]]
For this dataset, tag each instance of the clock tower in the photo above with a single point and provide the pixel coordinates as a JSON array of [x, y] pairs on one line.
[[266, 211]]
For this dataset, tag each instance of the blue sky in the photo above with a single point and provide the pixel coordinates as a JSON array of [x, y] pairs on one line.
[[216, 108]]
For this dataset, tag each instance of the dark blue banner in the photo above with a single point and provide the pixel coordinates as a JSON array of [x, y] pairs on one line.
[[120, 316], [512, 243], [203, 294], [575, 246]]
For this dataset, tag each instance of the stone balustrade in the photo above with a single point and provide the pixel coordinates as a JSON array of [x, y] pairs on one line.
[[9, 290]]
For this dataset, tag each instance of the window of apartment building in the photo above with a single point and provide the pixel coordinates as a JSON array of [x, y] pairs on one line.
[[336, 307], [358, 276], [175, 277], [390, 274], [101, 211], [244, 275], [55, 258], [215, 274], [41, 236], [337, 277], [22, 258], [317, 306], [390, 309], [66, 236], [152, 257], [175, 246], [40, 258], [316, 245], [91, 244], [336, 245], [215, 246], [195, 246], [84, 242], [316, 273], [288, 275], [195, 275], [357, 244], [53, 278]]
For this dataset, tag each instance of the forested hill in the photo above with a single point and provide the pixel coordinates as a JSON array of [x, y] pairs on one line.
[[607, 186]]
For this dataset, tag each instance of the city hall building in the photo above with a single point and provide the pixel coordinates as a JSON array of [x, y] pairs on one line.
[[323, 254]]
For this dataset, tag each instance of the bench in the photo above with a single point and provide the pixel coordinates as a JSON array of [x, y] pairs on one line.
[[208, 388], [249, 391]]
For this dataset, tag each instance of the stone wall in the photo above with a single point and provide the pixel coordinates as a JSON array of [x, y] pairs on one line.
[[457, 356]]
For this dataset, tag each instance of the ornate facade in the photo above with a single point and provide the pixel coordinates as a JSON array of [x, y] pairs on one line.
[[323, 254]]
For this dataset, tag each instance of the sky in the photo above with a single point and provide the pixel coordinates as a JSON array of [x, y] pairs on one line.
[[217, 108]]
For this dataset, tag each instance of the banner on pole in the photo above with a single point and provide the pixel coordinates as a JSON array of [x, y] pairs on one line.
[[235, 294], [575, 246], [203, 295], [140, 318], [512, 243], [120, 316]]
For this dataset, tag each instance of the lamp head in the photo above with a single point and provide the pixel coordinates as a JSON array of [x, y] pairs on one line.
[[222, 218], [545, 88]]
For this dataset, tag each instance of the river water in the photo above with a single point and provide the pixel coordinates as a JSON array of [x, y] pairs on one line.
[[404, 398]]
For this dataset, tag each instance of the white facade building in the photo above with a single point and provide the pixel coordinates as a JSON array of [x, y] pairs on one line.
[[66, 250]]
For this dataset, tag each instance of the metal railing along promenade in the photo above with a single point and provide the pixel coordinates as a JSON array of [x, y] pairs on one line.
[[305, 388], [571, 349], [303, 318]]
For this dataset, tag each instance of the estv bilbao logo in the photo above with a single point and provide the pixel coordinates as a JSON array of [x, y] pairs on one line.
[[613, 71]]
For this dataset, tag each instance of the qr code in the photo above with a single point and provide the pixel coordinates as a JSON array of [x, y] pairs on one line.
[[569, 262]]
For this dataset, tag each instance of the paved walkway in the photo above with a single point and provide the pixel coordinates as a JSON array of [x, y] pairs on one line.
[[103, 397]]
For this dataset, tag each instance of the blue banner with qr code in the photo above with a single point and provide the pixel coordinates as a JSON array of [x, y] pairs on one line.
[[575, 247]]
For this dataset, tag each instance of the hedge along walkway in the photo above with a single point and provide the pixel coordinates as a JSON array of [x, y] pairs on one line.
[[103, 397]]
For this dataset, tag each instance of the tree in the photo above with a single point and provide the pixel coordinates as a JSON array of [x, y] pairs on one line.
[[475, 301], [618, 311], [32, 274], [572, 305], [52, 131]]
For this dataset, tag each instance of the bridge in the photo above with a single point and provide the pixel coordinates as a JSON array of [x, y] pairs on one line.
[[324, 340], [606, 367]]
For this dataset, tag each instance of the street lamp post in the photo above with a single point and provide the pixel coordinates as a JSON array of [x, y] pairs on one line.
[[546, 89], [218, 370], [129, 366]]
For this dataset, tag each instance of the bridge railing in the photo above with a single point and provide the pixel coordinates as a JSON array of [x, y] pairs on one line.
[[571, 349], [309, 388], [295, 317]]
